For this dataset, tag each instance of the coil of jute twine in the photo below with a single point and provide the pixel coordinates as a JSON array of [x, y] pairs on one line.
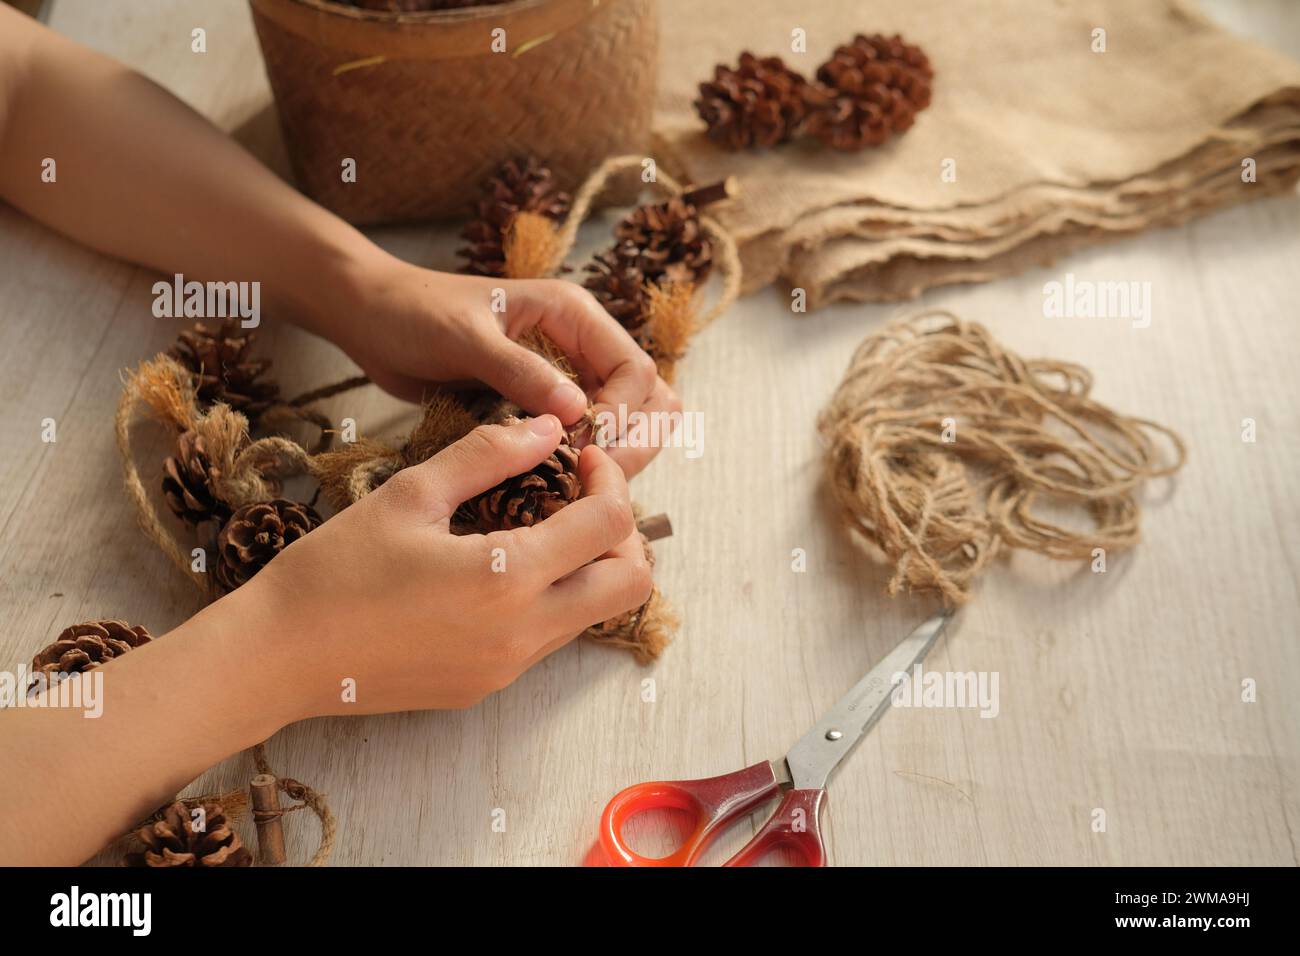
[[941, 444], [247, 470]]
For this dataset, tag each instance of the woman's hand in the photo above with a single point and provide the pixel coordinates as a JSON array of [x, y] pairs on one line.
[[409, 327], [384, 594]]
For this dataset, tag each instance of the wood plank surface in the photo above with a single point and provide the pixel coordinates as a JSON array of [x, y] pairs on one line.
[[1119, 691]]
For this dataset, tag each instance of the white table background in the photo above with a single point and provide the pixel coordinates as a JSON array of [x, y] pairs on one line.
[[1119, 691]]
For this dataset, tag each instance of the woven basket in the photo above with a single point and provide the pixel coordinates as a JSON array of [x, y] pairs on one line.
[[428, 110]]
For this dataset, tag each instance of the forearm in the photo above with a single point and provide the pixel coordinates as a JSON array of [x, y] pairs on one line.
[[170, 710], [143, 177]]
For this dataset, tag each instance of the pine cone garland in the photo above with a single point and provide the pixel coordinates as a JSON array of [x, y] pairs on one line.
[[761, 102], [223, 372], [871, 89], [670, 239], [618, 282], [526, 499], [518, 186], [255, 534], [187, 482], [83, 647], [179, 839]]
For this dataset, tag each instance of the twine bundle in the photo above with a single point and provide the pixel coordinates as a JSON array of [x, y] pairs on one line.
[[246, 471], [942, 444]]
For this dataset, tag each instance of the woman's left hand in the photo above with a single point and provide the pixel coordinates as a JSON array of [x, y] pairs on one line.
[[416, 327]]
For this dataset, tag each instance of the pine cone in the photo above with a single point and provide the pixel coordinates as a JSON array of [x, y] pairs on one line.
[[255, 534], [871, 89], [518, 186], [526, 499], [670, 240], [762, 102], [223, 372], [617, 281], [187, 482], [174, 840], [83, 647]]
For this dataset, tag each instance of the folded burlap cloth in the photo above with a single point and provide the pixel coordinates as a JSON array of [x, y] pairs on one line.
[[1055, 146]]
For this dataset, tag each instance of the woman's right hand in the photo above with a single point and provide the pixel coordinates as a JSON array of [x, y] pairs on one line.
[[385, 595]]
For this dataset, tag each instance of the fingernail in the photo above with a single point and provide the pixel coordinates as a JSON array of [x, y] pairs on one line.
[[543, 425], [566, 393]]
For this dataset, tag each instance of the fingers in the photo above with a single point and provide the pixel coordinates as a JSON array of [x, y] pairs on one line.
[[481, 460], [617, 581], [528, 380], [633, 458], [613, 585], [602, 590], [583, 330], [590, 527]]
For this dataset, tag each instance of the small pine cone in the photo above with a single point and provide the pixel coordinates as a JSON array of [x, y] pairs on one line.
[[518, 186], [617, 281], [83, 647], [255, 534], [871, 89], [671, 241], [761, 102], [526, 499], [177, 838], [223, 372], [187, 482]]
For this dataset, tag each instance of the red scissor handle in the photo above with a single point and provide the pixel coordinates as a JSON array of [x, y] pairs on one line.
[[796, 825], [715, 802]]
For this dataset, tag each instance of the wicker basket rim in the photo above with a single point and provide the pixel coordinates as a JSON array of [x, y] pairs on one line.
[[442, 34], [338, 8]]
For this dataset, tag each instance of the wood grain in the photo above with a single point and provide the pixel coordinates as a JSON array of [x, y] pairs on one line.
[[1119, 691]]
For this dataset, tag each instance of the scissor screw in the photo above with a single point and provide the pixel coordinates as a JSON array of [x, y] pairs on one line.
[[834, 734]]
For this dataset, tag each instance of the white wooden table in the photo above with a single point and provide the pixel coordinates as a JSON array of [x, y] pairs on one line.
[[1119, 691]]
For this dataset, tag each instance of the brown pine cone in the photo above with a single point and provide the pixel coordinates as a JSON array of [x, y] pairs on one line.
[[255, 534], [187, 482], [871, 89], [526, 499], [671, 242], [176, 840], [761, 102], [617, 281], [518, 186], [83, 647], [223, 372]]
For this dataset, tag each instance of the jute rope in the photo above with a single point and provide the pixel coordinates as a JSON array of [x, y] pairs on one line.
[[941, 443], [311, 799], [726, 256], [247, 471]]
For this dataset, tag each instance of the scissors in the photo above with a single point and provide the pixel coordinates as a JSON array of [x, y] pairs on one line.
[[719, 802]]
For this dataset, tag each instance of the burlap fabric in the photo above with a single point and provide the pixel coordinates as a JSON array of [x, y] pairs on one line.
[[1053, 145]]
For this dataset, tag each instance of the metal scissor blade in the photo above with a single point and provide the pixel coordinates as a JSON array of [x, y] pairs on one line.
[[813, 758]]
